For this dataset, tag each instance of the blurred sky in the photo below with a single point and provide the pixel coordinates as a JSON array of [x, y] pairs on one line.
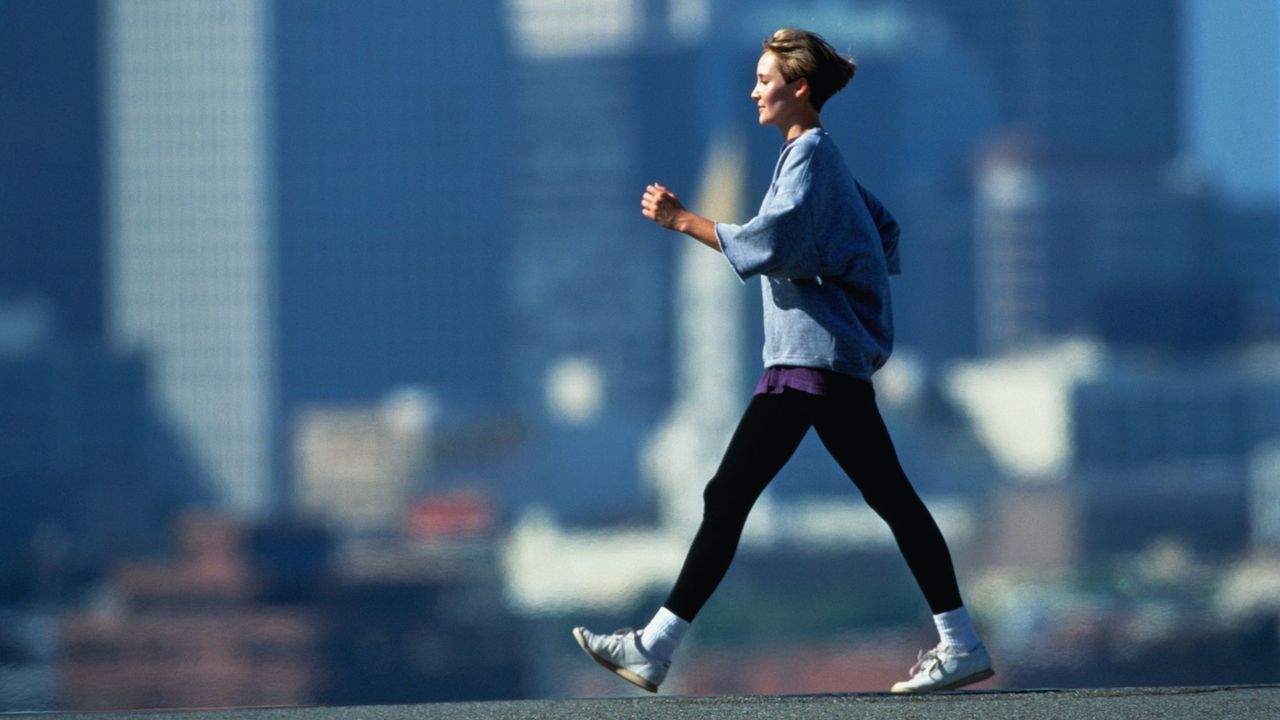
[[1234, 63]]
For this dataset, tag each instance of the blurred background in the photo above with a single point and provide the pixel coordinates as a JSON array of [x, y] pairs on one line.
[[338, 365]]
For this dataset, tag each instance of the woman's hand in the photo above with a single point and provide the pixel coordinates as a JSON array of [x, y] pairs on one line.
[[661, 206]]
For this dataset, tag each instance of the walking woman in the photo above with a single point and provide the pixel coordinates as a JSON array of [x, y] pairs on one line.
[[825, 248]]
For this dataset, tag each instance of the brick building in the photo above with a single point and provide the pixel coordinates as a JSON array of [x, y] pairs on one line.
[[190, 634]]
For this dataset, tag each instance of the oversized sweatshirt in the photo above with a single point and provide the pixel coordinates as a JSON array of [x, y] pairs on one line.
[[824, 248]]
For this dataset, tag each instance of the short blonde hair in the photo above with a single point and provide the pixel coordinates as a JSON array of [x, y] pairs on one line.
[[804, 54]]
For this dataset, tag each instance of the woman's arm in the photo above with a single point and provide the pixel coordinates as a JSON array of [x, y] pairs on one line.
[[663, 207]]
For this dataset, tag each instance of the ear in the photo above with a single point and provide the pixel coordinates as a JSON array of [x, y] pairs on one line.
[[802, 88]]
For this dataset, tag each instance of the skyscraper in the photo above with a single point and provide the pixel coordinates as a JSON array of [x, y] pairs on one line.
[[1091, 78], [589, 283], [607, 104], [1079, 199], [306, 206], [50, 181], [392, 154], [188, 226]]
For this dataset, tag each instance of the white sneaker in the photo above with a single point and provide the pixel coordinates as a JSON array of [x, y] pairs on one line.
[[621, 653], [943, 668]]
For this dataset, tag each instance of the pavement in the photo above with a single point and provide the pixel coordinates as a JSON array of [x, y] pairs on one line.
[[1227, 702]]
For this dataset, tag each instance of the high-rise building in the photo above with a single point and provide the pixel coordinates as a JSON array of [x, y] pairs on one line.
[[1246, 258], [87, 469], [589, 277], [306, 207], [1093, 79], [188, 226], [391, 160], [607, 104], [1062, 244], [50, 181], [1088, 205]]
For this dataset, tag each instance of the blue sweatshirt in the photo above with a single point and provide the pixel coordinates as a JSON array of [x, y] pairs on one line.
[[825, 248]]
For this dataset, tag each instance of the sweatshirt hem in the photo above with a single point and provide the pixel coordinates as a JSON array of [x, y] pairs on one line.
[[844, 368]]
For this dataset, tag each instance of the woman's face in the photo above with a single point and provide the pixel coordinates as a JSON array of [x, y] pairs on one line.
[[776, 100]]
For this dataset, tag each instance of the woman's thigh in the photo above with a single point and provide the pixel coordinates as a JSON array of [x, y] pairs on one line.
[[767, 436], [851, 428]]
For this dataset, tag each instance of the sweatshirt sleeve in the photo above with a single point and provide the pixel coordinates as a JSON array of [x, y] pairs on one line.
[[887, 226], [779, 241]]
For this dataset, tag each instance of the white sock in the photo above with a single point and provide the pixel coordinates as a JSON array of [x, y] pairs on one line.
[[956, 629], [663, 634]]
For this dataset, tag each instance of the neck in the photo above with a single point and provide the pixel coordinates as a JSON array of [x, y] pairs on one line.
[[796, 128]]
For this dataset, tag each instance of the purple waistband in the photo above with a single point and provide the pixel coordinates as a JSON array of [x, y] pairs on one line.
[[805, 379]]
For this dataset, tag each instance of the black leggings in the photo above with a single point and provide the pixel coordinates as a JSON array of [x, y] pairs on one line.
[[850, 427]]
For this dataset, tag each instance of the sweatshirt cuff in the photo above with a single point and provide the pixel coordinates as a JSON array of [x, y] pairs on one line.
[[727, 231]]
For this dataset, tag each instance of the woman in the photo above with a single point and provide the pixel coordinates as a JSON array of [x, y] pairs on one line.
[[825, 248]]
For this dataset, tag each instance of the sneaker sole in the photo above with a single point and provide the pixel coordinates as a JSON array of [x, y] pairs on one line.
[[953, 685], [622, 672]]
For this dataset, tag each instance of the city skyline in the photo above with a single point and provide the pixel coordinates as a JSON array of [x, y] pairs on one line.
[[330, 291], [376, 276]]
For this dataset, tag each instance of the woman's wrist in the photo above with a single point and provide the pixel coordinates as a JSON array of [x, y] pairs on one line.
[[685, 221], [697, 227]]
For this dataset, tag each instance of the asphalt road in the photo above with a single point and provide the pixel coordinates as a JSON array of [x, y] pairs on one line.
[[1244, 702]]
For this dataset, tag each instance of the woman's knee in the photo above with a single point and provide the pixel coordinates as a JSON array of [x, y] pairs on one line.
[[723, 499], [898, 504]]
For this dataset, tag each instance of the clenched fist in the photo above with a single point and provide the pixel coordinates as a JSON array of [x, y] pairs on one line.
[[661, 206]]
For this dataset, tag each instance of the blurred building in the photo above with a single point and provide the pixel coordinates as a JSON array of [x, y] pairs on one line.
[[393, 226], [422, 617], [282, 614], [188, 227], [191, 634], [1078, 207], [686, 449], [79, 445], [28, 661], [72, 449], [607, 104], [1145, 448], [1264, 498], [1164, 450], [1036, 528], [589, 281], [1246, 258], [356, 468], [1148, 413], [1087, 79], [87, 470], [1069, 247], [306, 205], [51, 182]]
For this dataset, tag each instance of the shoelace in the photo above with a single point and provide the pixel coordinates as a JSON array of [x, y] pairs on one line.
[[926, 660]]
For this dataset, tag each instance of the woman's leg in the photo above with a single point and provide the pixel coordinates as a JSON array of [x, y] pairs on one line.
[[850, 426], [768, 434]]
